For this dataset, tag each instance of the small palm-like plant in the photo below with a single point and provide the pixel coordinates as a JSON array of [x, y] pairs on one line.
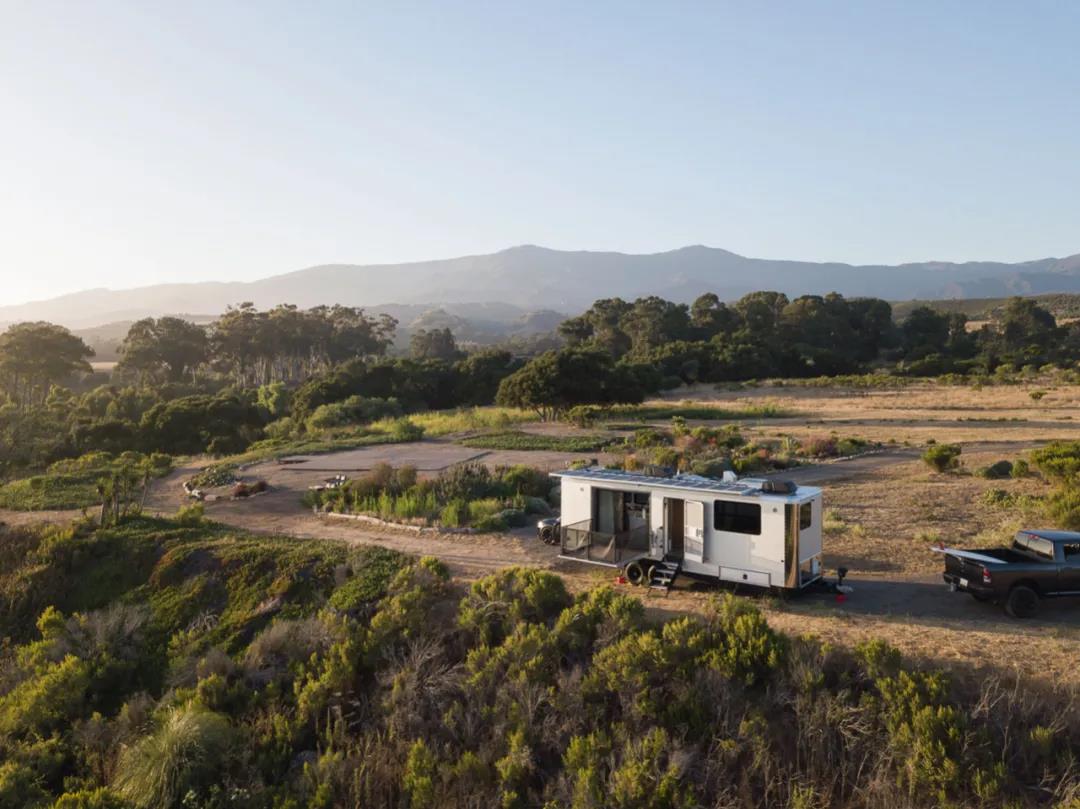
[[181, 755]]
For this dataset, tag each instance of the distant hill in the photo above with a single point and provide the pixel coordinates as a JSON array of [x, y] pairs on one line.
[[531, 278]]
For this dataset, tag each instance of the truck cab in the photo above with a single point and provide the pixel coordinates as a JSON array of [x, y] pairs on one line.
[[1038, 564]]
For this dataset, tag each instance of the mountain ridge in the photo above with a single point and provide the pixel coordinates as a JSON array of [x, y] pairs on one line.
[[535, 277]]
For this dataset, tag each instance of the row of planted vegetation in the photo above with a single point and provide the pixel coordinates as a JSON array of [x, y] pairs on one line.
[[170, 665], [475, 496], [463, 496]]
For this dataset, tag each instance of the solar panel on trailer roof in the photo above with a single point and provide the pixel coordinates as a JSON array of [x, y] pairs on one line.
[[677, 482]]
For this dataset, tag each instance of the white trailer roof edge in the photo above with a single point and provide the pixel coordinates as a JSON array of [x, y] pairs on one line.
[[745, 487]]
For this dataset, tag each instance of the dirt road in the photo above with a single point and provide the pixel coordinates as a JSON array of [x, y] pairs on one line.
[[915, 612]]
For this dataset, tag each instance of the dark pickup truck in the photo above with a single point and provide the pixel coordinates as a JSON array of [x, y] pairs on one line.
[[1039, 564]]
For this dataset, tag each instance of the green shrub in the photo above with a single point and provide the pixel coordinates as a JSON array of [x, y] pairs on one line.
[[513, 517], [749, 650], [942, 457], [213, 476], [19, 787], [491, 523], [190, 516], [405, 430], [1063, 506], [535, 505], [372, 569], [526, 480], [996, 471], [1020, 469], [648, 775], [353, 410], [183, 754], [470, 481], [419, 779], [496, 602], [455, 514], [482, 509], [1059, 461], [518, 440], [90, 799], [599, 612], [52, 698]]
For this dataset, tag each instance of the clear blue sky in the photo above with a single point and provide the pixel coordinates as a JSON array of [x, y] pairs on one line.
[[144, 142]]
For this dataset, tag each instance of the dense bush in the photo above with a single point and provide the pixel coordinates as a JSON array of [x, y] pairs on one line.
[[353, 410], [942, 457], [462, 495], [220, 670], [996, 471]]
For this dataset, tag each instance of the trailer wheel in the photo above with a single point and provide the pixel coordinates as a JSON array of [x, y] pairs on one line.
[[634, 573], [1023, 602]]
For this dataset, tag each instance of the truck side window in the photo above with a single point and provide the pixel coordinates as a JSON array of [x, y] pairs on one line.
[[1071, 550], [806, 516], [740, 518]]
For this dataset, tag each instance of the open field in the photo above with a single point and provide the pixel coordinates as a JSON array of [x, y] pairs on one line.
[[883, 511]]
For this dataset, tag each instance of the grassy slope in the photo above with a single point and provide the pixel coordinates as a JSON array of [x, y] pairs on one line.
[[511, 695], [182, 572], [49, 491]]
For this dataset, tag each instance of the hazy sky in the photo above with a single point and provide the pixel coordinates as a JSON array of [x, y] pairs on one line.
[[143, 142]]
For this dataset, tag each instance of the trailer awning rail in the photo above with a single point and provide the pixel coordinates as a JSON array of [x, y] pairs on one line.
[[581, 543]]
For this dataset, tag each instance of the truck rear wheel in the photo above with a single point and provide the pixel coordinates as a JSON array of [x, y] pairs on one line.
[[1023, 602]]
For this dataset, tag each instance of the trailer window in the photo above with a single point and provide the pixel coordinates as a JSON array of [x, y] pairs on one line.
[[740, 518], [806, 516]]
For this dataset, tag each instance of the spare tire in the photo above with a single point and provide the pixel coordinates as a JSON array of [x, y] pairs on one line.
[[1023, 602], [635, 573]]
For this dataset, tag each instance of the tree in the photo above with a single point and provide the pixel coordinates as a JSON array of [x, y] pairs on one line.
[[436, 344], [761, 311], [480, 373], [652, 321], [168, 346], [600, 327], [710, 316], [36, 356], [557, 380], [1027, 327], [924, 332]]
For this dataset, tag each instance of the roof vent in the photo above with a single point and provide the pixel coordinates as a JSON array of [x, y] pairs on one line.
[[779, 486]]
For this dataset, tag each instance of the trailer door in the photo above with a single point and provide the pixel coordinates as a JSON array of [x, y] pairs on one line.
[[694, 523]]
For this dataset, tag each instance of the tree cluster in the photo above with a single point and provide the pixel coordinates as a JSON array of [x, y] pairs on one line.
[[252, 347]]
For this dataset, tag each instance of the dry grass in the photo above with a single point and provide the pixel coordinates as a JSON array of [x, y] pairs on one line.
[[916, 412], [880, 525]]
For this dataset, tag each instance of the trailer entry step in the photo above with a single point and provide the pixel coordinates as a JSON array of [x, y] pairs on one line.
[[663, 575]]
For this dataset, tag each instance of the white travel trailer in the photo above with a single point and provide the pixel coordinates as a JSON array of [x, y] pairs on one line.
[[764, 533]]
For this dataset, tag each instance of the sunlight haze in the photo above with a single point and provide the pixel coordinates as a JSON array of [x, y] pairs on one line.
[[149, 142]]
